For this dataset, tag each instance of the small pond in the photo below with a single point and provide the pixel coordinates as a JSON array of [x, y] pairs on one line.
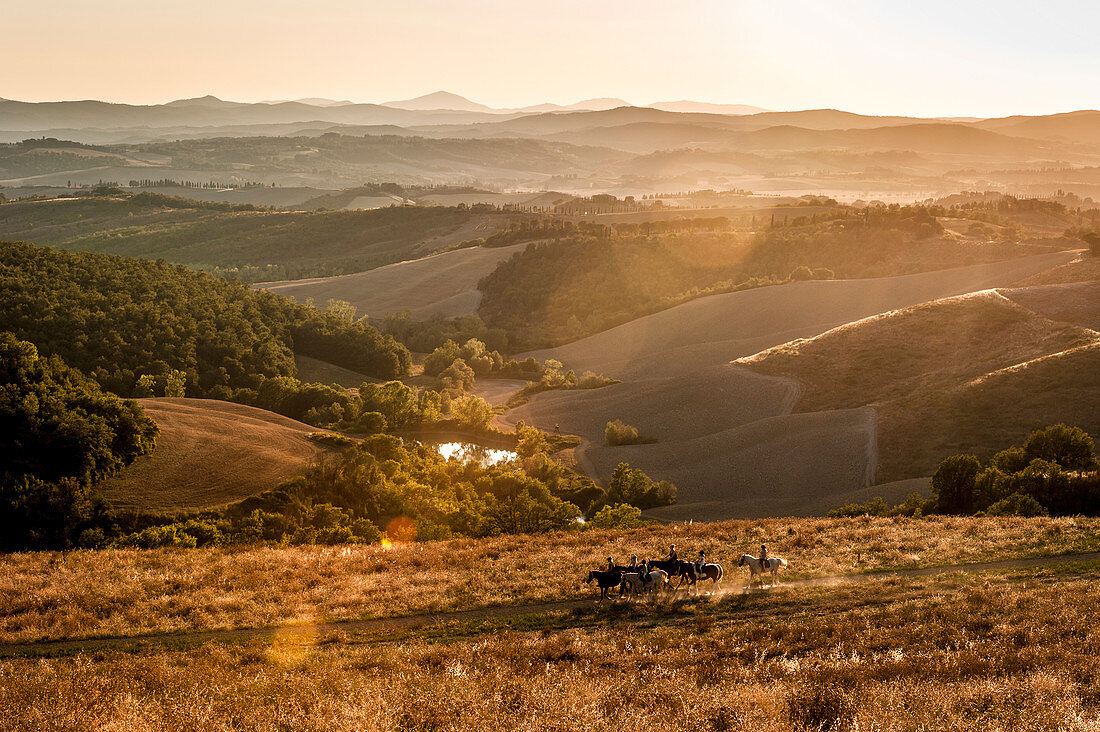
[[466, 451]]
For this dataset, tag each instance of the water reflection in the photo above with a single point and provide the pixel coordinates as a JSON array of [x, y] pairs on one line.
[[466, 451]]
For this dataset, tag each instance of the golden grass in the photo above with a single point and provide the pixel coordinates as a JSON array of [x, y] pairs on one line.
[[965, 653], [210, 453], [47, 595], [922, 369]]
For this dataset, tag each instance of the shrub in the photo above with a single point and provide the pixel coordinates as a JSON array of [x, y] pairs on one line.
[[620, 516], [875, 507], [1017, 504], [620, 433], [332, 440], [157, 537]]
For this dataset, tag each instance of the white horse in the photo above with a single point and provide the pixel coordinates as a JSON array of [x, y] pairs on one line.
[[756, 569], [657, 580], [632, 584]]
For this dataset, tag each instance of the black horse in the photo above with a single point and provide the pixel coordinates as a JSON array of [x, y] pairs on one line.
[[606, 580], [677, 568]]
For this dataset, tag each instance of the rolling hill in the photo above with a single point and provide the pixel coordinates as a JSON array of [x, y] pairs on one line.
[[928, 372], [725, 434], [211, 453], [252, 244]]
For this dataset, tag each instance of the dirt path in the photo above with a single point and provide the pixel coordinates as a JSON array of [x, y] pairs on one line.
[[63, 647]]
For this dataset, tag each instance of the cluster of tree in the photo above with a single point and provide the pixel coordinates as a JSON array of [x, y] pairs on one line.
[[205, 185], [672, 226], [458, 366], [553, 378], [17, 163], [1052, 473], [385, 487], [866, 242], [135, 325], [540, 229], [424, 336], [60, 434]]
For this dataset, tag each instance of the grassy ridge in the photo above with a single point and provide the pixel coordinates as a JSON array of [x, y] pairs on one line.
[[944, 377]]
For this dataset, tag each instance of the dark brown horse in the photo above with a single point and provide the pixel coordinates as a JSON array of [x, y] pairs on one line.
[[677, 568], [606, 580]]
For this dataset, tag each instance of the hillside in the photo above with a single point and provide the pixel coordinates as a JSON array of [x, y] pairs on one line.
[[136, 325], [211, 453], [931, 373], [253, 245], [725, 435], [581, 284], [441, 284]]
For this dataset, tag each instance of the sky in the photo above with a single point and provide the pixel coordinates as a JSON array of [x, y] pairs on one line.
[[933, 58]]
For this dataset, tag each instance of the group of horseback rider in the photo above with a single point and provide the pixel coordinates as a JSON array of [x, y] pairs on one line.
[[643, 567]]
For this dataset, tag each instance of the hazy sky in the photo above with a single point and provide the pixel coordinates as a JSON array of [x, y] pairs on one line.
[[927, 58]]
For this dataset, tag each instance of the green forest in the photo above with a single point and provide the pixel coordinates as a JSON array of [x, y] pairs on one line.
[[136, 325], [61, 434]]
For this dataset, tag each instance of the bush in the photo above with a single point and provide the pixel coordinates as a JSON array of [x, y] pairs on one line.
[[157, 537], [331, 440], [620, 433], [637, 489], [620, 516], [875, 507], [472, 412], [1017, 505]]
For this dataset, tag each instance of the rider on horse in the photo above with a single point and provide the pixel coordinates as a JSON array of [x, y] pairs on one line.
[[763, 558], [672, 553], [610, 564], [700, 562]]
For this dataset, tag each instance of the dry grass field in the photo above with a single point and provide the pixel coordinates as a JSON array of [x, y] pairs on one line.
[[49, 595], [990, 651], [210, 453], [918, 368], [725, 435], [442, 284]]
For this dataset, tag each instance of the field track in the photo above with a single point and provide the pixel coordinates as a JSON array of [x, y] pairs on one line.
[[408, 622]]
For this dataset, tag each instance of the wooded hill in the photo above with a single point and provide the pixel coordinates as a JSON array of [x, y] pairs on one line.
[[122, 320]]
